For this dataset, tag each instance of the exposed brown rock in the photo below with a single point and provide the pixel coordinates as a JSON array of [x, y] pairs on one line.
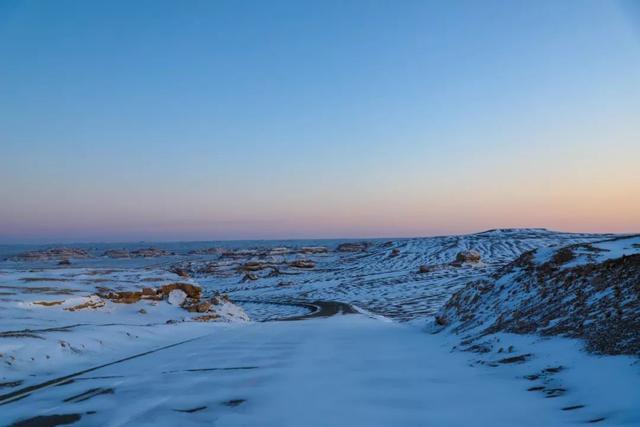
[[207, 251], [254, 266], [220, 299], [352, 247], [48, 303], [91, 304], [192, 269], [180, 272], [117, 253], [314, 250], [150, 253], [201, 307], [51, 254], [127, 297], [192, 291], [470, 256], [302, 263], [206, 318], [137, 253], [149, 292]]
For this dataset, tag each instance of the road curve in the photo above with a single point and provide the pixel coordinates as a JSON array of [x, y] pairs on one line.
[[316, 308]]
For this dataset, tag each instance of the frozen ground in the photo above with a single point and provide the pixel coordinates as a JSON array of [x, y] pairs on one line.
[[346, 369]]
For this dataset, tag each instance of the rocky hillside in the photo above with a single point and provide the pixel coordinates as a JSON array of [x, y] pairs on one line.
[[589, 291]]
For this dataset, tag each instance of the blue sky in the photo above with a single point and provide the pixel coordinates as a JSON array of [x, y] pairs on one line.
[[208, 120]]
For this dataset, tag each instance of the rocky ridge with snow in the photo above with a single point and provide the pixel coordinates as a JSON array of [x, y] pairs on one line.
[[589, 291]]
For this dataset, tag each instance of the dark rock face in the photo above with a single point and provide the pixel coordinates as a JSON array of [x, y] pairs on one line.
[[573, 292]]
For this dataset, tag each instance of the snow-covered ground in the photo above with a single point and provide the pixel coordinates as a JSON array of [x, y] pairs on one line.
[[151, 363]]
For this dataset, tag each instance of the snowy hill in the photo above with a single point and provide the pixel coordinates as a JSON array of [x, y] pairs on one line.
[[589, 291], [384, 277]]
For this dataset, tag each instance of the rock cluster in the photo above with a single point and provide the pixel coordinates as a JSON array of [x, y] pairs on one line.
[[117, 253], [49, 254], [302, 263], [194, 269], [207, 251], [239, 253], [156, 294], [137, 253], [314, 250], [352, 247]]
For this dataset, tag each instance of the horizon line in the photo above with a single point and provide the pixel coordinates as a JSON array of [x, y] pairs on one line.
[[151, 241]]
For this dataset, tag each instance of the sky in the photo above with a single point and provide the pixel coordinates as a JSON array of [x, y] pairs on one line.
[[207, 120]]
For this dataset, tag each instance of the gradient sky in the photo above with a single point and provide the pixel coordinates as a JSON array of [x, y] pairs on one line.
[[198, 120]]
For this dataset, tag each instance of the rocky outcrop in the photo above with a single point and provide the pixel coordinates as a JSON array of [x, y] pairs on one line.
[[352, 247], [192, 291], [194, 269], [314, 250], [179, 271], [252, 266], [302, 263], [238, 253], [51, 254], [117, 253], [587, 291], [155, 294], [207, 251], [91, 303], [186, 296], [467, 257], [137, 253]]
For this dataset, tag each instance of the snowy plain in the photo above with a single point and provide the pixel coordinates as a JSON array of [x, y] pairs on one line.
[[380, 365]]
